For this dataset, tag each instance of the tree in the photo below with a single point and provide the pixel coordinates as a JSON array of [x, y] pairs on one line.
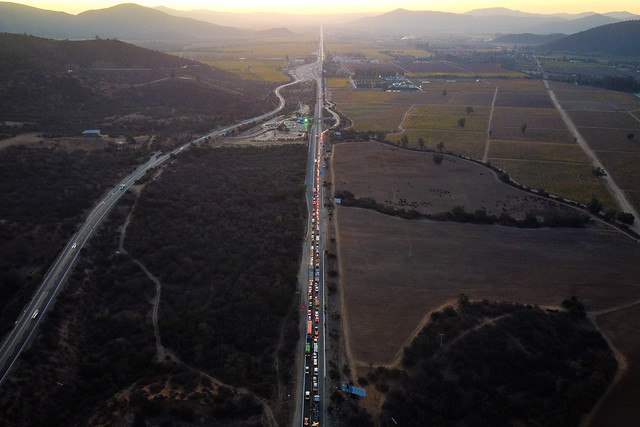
[[444, 92], [596, 171], [523, 128], [594, 205], [462, 122], [440, 146], [469, 110], [421, 143], [630, 136], [405, 141], [626, 218]]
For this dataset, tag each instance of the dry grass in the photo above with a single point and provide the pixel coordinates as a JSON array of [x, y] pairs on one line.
[[395, 271], [389, 174], [573, 181], [265, 70], [624, 168], [338, 82], [537, 151]]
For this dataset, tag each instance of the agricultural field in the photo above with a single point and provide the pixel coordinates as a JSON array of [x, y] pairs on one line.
[[572, 181], [610, 123], [262, 70], [409, 179], [376, 117], [338, 82], [411, 266], [524, 129], [458, 70]]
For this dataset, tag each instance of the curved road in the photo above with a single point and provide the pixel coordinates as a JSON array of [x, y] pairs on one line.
[[26, 324]]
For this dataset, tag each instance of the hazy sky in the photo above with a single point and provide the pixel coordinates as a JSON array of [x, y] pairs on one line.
[[341, 6]]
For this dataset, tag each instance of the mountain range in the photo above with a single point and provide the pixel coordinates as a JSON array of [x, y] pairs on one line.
[[132, 22], [127, 21], [483, 21]]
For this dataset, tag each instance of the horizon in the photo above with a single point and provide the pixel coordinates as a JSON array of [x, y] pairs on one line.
[[544, 7]]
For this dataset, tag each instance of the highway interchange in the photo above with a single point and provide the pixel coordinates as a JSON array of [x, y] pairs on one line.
[[18, 338]]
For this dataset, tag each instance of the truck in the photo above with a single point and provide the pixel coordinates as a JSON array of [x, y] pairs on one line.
[[307, 349]]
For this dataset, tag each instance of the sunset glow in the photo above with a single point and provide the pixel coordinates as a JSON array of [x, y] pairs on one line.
[[353, 6]]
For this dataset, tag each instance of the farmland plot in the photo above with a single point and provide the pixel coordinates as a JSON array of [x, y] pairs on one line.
[[415, 267]]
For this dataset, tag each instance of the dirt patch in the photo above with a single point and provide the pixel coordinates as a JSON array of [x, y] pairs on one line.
[[410, 179], [395, 271]]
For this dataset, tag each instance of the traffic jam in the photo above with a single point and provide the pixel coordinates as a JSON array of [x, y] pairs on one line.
[[311, 394]]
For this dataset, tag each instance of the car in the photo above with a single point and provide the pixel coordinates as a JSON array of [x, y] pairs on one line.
[[315, 371], [315, 386], [306, 370], [317, 319], [74, 245], [307, 395], [306, 421], [315, 361], [35, 313]]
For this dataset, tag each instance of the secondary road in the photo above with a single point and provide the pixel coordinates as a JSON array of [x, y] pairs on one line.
[[26, 324]]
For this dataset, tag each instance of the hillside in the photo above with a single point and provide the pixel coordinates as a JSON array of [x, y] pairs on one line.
[[619, 39], [127, 21], [67, 86], [527, 38]]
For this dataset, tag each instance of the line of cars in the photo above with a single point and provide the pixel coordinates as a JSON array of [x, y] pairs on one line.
[[311, 392]]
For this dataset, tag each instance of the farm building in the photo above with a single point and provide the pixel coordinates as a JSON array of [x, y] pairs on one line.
[[91, 133]]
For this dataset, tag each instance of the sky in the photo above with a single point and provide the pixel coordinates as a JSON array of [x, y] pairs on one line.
[[350, 6]]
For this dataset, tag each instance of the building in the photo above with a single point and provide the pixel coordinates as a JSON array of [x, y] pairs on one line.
[[91, 133]]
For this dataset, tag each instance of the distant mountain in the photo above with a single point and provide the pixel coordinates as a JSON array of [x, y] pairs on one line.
[[126, 21], [619, 39], [492, 21], [266, 21], [575, 25], [527, 39]]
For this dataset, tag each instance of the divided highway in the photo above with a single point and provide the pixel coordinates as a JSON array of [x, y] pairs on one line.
[[311, 403], [26, 324]]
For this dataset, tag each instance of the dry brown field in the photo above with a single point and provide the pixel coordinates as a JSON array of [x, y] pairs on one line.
[[463, 142], [384, 117], [389, 174], [605, 119], [383, 67], [523, 99], [395, 271], [532, 134], [431, 67], [601, 139], [537, 151], [623, 167]]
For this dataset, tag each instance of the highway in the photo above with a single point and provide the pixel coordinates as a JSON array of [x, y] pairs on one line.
[[26, 324], [312, 375]]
